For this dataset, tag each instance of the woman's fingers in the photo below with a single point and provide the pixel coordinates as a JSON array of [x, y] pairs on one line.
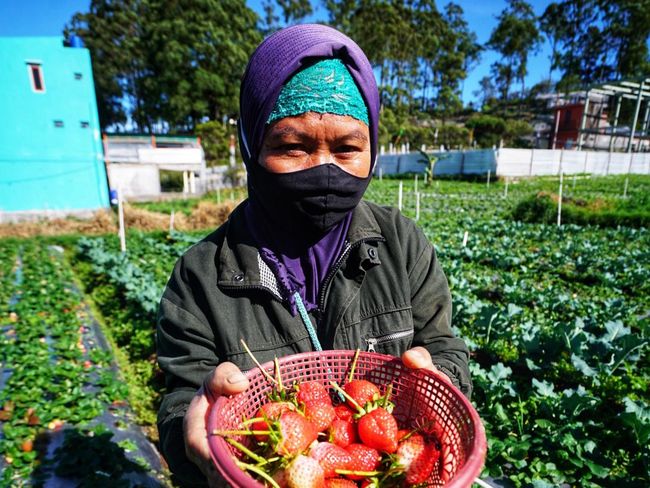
[[226, 379], [419, 358], [195, 430]]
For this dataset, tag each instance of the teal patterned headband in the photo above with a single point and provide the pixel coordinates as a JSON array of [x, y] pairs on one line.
[[324, 87]]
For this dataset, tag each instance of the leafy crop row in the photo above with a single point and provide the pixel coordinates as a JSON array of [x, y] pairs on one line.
[[126, 287], [51, 378]]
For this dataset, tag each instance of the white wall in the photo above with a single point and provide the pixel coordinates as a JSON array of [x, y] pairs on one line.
[[517, 162], [134, 180]]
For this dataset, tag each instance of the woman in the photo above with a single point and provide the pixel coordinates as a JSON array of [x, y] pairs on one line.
[[303, 264]]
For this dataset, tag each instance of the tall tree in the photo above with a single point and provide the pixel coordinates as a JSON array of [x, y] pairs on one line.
[[486, 92], [553, 24], [628, 30], [171, 63], [459, 51], [112, 30], [198, 50], [515, 37], [599, 40], [290, 11]]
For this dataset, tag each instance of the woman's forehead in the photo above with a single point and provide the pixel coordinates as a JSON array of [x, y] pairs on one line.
[[312, 124]]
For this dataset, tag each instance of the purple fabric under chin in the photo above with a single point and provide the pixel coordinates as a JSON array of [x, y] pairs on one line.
[[304, 271]]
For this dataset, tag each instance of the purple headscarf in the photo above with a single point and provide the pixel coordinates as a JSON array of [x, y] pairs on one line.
[[299, 263], [281, 55]]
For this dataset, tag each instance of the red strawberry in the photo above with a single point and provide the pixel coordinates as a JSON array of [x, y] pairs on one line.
[[312, 391], [417, 457], [305, 472], [296, 434], [378, 429], [330, 457], [280, 477], [339, 483], [320, 413], [362, 392], [270, 411], [402, 433], [448, 461], [343, 432], [364, 458], [344, 412]]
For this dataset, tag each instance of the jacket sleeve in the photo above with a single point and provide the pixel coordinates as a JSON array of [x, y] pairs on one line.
[[186, 354], [432, 310]]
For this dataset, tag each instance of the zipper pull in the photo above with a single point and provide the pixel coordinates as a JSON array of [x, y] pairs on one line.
[[371, 344]]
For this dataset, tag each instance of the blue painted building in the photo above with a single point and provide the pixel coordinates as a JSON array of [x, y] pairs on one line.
[[51, 155]]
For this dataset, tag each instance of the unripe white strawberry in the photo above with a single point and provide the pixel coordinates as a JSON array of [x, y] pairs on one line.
[[305, 472]]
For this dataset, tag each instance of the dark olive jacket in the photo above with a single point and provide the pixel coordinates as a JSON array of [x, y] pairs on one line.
[[386, 293]]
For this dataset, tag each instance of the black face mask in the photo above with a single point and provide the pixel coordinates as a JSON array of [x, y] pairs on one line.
[[310, 201]]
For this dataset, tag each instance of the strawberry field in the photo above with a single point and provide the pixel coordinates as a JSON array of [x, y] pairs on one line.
[[556, 318]]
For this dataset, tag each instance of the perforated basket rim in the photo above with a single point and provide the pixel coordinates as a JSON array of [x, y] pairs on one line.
[[223, 460]]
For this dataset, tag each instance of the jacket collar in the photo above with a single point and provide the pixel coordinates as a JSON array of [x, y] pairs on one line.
[[240, 266]]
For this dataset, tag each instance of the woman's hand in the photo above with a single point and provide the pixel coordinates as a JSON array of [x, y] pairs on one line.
[[419, 358], [226, 379]]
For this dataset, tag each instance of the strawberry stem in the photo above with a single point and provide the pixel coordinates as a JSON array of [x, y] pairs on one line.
[[247, 451], [277, 372], [354, 365], [258, 471], [358, 473], [224, 433], [348, 397], [387, 395], [257, 363], [253, 420]]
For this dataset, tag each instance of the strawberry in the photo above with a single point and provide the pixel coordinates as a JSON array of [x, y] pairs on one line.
[[320, 413], [304, 472], [364, 458], [378, 429], [312, 391], [402, 433], [280, 477], [270, 411], [344, 412], [417, 458], [343, 432], [296, 434], [362, 392], [330, 457], [339, 483]]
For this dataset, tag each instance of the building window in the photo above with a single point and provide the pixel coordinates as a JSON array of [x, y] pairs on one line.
[[85, 124], [58, 123], [78, 76], [36, 77]]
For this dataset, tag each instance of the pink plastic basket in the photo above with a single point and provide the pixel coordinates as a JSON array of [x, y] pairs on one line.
[[419, 396]]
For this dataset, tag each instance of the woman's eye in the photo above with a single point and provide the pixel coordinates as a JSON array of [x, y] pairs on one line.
[[347, 149], [291, 148]]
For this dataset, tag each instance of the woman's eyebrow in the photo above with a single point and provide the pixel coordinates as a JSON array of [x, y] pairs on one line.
[[355, 134], [281, 132]]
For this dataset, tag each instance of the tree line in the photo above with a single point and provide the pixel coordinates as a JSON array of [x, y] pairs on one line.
[[175, 65]]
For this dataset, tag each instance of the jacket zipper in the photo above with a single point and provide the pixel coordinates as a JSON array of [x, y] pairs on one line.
[[374, 341], [335, 268]]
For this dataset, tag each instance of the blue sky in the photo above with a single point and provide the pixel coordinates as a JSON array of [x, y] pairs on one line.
[[48, 17]]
